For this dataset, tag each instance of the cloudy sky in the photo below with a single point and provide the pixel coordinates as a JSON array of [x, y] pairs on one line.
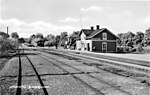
[[29, 17]]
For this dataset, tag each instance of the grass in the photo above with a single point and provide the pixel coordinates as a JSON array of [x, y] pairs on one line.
[[4, 58], [2, 62]]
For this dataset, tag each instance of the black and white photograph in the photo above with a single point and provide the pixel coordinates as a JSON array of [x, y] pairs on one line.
[[74, 47]]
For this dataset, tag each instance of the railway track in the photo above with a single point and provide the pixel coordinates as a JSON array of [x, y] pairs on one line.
[[131, 61], [141, 68], [72, 74], [138, 65], [119, 71], [19, 82], [85, 73], [79, 75]]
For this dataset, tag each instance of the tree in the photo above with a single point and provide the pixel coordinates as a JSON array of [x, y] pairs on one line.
[[147, 33], [31, 38], [146, 40], [126, 39], [63, 39], [8, 45], [120, 40], [14, 35], [4, 35], [63, 35], [56, 41], [39, 35], [138, 37], [49, 37]]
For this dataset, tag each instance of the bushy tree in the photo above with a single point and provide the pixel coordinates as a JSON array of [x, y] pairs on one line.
[[56, 41], [14, 35], [63, 35], [50, 37], [146, 39], [31, 38], [126, 39], [138, 37], [8, 45], [39, 35], [63, 39]]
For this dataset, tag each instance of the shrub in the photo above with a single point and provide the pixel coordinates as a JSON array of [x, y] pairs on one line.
[[139, 48], [8, 45]]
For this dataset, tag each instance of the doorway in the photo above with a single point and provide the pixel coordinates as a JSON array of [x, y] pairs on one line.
[[104, 47], [88, 46]]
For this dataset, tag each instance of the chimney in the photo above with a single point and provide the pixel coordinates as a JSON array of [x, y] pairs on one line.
[[92, 28], [97, 27]]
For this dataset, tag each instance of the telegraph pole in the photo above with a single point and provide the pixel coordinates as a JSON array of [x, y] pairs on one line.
[[0, 9], [7, 30], [81, 20]]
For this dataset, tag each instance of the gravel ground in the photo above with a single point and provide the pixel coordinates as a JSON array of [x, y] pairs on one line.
[[74, 64], [3, 62], [69, 69], [113, 68], [31, 86], [104, 88], [66, 85], [58, 84], [44, 67], [129, 85]]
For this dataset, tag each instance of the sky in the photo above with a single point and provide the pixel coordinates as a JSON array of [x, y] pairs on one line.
[[27, 17]]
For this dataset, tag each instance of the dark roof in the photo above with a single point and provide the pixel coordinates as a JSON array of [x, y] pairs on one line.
[[94, 33], [73, 35], [87, 32]]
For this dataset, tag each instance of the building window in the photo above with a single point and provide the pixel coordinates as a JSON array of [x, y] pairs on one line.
[[104, 36]]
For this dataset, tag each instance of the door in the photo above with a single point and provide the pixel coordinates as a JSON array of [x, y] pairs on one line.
[[82, 46], [104, 47], [88, 46]]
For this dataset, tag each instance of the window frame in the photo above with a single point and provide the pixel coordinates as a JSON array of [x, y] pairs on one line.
[[104, 36]]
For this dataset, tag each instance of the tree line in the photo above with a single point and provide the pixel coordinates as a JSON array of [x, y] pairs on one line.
[[136, 40], [50, 40], [131, 40]]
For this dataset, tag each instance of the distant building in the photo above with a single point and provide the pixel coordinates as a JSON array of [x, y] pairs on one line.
[[99, 40], [71, 42], [38, 42]]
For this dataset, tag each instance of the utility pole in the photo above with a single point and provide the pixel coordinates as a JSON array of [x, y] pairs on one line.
[[7, 30], [0, 9], [81, 20]]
